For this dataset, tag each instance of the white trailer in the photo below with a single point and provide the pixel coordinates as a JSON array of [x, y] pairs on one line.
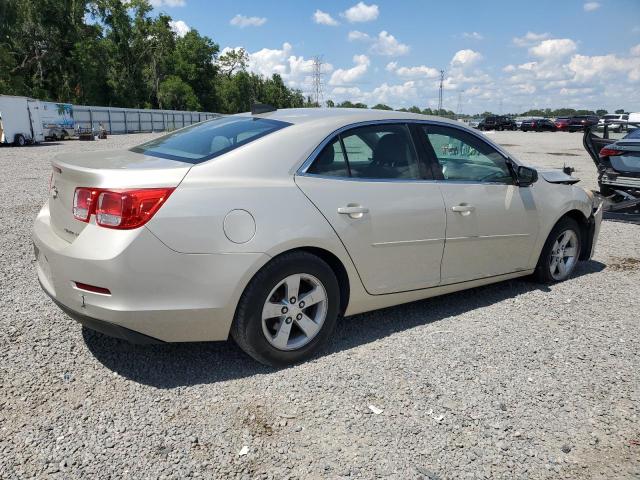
[[57, 120], [20, 121]]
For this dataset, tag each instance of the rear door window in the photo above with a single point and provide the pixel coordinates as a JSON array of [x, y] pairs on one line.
[[206, 140], [384, 151]]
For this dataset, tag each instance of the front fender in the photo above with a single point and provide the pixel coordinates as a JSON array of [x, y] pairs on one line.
[[556, 201]]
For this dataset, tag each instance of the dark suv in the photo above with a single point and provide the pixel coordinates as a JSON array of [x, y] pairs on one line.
[[497, 122], [579, 123]]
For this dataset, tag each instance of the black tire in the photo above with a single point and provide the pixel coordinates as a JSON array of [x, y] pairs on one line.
[[20, 141], [542, 273], [246, 329]]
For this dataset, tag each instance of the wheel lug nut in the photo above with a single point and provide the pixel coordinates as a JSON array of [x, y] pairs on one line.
[[284, 310], [299, 316], [292, 300], [301, 305], [288, 320]]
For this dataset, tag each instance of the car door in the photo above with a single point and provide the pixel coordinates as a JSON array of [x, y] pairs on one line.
[[492, 224], [371, 186]]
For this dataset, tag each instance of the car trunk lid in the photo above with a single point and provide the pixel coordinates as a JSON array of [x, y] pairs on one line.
[[112, 170]]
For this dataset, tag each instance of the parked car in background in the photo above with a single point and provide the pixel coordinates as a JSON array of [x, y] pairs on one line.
[[618, 163], [562, 124], [538, 125], [474, 122], [165, 243], [497, 122], [617, 122], [580, 123]]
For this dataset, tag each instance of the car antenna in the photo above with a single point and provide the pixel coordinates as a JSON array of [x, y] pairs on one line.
[[258, 108]]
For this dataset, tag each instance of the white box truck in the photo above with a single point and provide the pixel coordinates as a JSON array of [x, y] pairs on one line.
[[57, 120], [20, 121]]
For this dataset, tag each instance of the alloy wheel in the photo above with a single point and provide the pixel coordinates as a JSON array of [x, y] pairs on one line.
[[564, 255], [294, 312]]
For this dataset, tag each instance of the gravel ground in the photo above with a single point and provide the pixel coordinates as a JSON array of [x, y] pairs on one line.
[[507, 381]]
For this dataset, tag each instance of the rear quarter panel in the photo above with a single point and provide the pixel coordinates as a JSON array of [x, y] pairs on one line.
[[259, 179]]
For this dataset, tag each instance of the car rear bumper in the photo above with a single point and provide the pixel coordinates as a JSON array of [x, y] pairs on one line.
[[156, 294], [106, 328]]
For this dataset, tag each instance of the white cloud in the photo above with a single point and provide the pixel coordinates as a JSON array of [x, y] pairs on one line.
[[413, 72], [509, 68], [353, 92], [635, 51], [530, 39], [387, 44], [293, 69], [361, 13], [587, 69], [554, 49], [575, 91], [396, 94], [591, 6], [323, 18], [356, 35], [472, 35], [466, 57], [167, 3], [350, 75], [179, 27], [243, 21]]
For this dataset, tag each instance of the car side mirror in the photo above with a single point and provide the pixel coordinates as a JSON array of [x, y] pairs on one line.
[[526, 176]]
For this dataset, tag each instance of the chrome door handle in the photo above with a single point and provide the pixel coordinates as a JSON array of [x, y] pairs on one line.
[[463, 208], [354, 211]]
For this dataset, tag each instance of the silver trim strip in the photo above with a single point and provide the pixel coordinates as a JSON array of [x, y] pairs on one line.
[[402, 243], [485, 237]]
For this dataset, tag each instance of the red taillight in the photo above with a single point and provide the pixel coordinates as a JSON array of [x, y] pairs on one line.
[[610, 152], [92, 288], [121, 209]]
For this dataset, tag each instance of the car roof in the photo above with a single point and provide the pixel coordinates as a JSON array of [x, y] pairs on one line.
[[342, 116]]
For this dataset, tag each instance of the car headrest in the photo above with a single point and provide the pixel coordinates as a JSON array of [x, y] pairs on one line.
[[390, 150], [326, 156]]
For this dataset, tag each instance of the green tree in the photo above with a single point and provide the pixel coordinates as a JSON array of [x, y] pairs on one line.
[[194, 61], [620, 111], [176, 94], [348, 104], [234, 61], [601, 112], [381, 106]]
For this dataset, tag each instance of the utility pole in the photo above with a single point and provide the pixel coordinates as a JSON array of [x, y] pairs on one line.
[[440, 93], [317, 83], [459, 107]]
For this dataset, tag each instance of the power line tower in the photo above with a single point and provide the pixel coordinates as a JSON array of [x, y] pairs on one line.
[[317, 81], [440, 92]]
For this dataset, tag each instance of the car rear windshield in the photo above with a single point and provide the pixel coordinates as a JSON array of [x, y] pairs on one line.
[[204, 141], [633, 134]]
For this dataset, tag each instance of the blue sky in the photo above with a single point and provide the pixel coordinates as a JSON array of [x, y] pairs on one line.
[[497, 55]]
